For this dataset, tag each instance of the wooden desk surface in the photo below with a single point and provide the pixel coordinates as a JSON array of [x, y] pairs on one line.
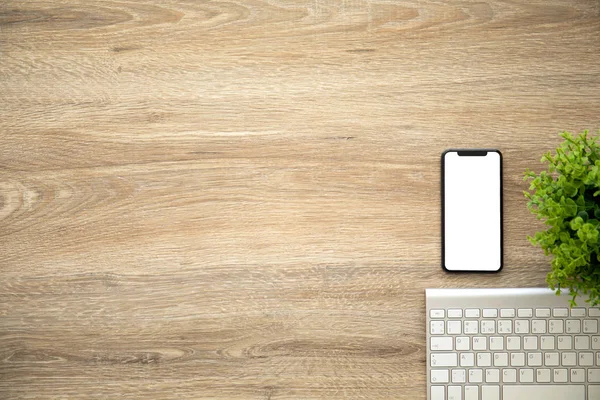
[[240, 200]]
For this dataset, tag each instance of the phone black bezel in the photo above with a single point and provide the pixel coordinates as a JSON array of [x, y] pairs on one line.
[[472, 153]]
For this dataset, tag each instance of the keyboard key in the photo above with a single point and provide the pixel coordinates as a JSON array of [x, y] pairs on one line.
[[590, 326], [593, 375], [490, 392], [484, 359], [453, 327], [475, 375], [560, 312], [509, 375], [593, 392], [586, 359], [521, 326], [455, 313], [594, 312], [479, 343], [547, 343], [441, 343], [577, 312], [436, 327], [500, 359], [438, 393], [505, 326], [534, 359], [565, 343], [459, 376], [561, 375], [496, 343], [471, 392], [467, 359], [595, 342], [568, 359], [488, 327], [530, 343], [471, 327], [436, 313], [507, 313], [525, 313], [517, 359], [472, 313], [556, 326], [551, 359], [525, 376], [439, 376], [463, 343], [492, 375], [577, 376], [536, 392], [454, 392], [444, 359], [538, 326], [513, 343], [582, 342], [542, 313], [543, 375], [573, 326], [490, 313]]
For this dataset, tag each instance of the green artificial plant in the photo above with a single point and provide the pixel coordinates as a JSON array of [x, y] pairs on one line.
[[567, 197]]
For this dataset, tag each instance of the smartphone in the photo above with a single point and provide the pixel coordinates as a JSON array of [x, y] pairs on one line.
[[472, 210]]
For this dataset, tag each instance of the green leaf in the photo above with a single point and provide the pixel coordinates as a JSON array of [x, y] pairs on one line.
[[576, 223], [583, 215], [570, 189]]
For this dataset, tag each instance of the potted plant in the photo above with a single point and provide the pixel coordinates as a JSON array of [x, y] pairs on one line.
[[567, 197]]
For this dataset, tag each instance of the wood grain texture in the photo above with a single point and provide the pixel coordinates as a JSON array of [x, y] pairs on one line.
[[240, 199]]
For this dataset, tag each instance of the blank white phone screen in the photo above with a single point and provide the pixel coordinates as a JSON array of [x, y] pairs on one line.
[[472, 212]]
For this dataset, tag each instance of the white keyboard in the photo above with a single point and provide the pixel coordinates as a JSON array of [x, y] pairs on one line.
[[511, 344]]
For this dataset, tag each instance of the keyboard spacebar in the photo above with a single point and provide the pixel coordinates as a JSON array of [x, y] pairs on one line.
[[547, 392]]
